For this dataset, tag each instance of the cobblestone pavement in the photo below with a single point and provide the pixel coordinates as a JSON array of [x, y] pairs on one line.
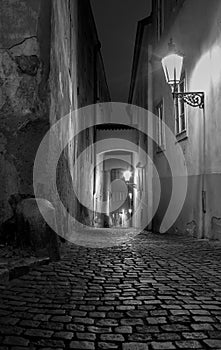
[[154, 292], [102, 238]]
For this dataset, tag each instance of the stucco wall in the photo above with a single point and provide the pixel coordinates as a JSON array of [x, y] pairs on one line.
[[196, 30], [141, 89], [24, 99], [73, 82]]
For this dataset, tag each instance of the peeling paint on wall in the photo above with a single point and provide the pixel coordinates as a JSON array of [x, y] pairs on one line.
[[23, 111], [191, 228]]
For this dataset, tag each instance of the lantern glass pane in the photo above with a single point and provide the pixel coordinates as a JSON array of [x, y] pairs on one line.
[[172, 66]]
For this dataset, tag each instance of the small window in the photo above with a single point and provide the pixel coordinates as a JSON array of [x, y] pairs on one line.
[[181, 126], [160, 18], [161, 127]]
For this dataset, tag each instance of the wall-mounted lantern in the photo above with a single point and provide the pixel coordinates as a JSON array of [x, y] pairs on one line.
[[172, 66], [127, 175]]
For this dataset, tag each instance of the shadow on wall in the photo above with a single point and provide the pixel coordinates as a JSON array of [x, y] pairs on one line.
[[17, 160], [27, 227], [216, 228]]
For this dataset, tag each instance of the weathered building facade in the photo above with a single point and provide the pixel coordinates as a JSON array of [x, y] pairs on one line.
[[140, 95], [50, 65], [24, 93], [194, 26]]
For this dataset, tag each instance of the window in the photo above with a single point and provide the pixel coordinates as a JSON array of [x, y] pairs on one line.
[[161, 127], [160, 18], [181, 126]]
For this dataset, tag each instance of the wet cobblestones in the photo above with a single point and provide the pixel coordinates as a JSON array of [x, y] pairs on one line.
[[154, 292]]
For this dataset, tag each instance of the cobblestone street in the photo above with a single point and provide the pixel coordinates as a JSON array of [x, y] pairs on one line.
[[154, 292]]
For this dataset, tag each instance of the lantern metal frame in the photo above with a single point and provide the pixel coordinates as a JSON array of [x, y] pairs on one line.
[[192, 98]]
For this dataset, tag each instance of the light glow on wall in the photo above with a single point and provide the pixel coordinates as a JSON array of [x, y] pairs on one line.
[[207, 71], [216, 64]]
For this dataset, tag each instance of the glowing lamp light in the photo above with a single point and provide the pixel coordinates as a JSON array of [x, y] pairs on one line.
[[172, 66], [127, 175], [130, 211]]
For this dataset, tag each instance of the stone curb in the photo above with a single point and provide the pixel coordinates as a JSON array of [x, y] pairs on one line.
[[8, 273]]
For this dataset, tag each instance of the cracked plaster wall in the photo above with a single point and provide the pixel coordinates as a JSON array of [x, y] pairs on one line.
[[24, 102]]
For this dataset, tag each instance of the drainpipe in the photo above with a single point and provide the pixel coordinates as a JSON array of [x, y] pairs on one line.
[[97, 48], [204, 174], [149, 168]]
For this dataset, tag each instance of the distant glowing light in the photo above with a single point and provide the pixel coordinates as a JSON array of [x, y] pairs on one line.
[[127, 175]]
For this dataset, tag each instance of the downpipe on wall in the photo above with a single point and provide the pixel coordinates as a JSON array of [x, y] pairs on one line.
[[203, 173]]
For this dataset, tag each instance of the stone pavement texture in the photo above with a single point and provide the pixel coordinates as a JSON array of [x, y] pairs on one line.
[[153, 292], [15, 262]]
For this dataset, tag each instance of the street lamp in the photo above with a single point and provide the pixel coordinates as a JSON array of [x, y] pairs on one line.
[[127, 175], [172, 66]]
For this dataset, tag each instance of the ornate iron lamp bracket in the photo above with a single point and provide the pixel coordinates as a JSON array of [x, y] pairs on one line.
[[194, 99]]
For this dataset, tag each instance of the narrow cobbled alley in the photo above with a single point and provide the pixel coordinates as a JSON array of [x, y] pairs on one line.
[[110, 174], [153, 292]]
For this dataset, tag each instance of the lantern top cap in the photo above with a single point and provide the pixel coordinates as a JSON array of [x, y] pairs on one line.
[[172, 46], [172, 49]]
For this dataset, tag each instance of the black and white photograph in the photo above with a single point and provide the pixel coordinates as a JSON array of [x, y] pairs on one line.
[[110, 174]]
